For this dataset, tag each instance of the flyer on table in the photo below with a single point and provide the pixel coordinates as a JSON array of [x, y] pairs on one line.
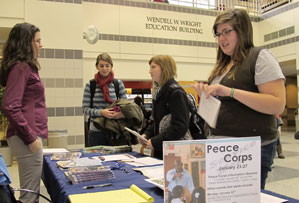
[[215, 170]]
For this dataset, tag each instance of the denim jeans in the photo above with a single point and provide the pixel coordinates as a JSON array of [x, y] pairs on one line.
[[267, 154], [97, 138]]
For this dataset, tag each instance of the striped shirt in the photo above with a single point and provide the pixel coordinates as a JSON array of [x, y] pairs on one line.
[[98, 100]]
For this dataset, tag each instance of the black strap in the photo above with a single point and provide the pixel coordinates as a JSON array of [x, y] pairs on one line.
[[116, 86], [93, 89]]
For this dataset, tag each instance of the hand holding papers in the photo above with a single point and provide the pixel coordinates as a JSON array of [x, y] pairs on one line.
[[209, 109], [136, 134]]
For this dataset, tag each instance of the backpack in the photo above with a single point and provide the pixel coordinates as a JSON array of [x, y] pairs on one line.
[[196, 122]]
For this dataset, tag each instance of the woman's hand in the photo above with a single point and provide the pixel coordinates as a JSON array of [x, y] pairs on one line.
[[111, 114], [34, 146], [198, 86], [108, 113], [214, 90], [149, 145], [217, 90]]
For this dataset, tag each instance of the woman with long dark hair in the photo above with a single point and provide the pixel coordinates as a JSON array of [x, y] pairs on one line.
[[24, 105]]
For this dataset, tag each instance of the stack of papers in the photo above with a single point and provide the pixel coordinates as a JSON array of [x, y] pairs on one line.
[[48, 151], [63, 156], [79, 163]]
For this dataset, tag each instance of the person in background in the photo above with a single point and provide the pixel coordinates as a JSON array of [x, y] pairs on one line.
[[178, 177], [249, 83], [104, 95], [170, 112], [138, 101], [24, 105]]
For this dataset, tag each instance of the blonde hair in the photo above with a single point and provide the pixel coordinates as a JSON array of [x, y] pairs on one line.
[[168, 67]]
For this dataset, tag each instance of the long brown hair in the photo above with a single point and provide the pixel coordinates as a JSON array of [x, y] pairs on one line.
[[18, 49], [105, 57], [240, 21]]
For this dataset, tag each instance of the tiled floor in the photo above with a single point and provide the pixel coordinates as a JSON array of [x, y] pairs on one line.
[[284, 178]]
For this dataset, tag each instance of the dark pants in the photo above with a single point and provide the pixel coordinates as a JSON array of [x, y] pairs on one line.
[[97, 138], [6, 195], [267, 154]]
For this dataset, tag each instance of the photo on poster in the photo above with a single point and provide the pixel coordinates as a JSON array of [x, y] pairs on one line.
[[184, 175]]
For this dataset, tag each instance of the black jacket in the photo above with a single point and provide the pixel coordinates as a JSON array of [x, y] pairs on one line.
[[168, 101]]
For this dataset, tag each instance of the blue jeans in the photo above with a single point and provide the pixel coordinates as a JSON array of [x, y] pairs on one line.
[[267, 154], [97, 138]]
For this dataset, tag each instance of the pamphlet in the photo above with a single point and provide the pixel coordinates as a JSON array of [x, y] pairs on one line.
[[208, 109], [136, 134], [213, 170]]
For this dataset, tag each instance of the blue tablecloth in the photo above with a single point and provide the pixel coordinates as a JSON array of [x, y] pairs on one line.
[[59, 186]]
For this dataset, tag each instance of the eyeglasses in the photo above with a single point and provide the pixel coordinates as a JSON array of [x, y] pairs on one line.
[[224, 33]]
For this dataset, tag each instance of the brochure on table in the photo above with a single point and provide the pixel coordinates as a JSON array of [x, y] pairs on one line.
[[222, 170]]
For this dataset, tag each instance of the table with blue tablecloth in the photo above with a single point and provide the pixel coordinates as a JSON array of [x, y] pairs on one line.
[[60, 187]]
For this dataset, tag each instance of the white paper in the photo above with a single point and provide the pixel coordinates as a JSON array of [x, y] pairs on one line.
[[159, 182], [136, 134], [265, 198], [144, 161], [53, 150], [208, 109], [151, 172]]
